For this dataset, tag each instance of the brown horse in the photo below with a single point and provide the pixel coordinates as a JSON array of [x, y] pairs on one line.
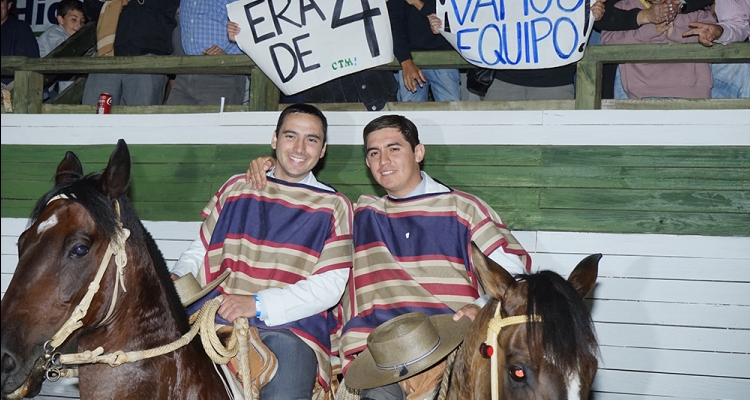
[[545, 345], [59, 255]]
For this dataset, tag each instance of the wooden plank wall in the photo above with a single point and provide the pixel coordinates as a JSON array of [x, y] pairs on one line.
[[563, 171], [663, 195], [672, 312]]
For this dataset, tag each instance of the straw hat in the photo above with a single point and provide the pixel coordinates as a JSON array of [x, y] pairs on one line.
[[405, 346], [190, 290]]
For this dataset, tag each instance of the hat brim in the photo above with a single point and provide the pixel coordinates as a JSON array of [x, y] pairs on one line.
[[208, 288], [363, 373]]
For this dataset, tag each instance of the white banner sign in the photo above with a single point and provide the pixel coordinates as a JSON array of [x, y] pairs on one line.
[[300, 44], [40, 14], [517, 34]]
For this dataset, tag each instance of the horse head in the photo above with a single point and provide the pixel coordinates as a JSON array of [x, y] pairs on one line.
[[544, 342], [59, 257]]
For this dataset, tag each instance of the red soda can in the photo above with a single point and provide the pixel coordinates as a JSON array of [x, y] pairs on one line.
[[104, 105]]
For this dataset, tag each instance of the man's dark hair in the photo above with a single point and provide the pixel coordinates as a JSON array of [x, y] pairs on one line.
[[303, 109], [403, 124], [66, 6]]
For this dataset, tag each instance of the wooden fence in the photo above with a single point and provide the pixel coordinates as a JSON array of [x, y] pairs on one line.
[[32, 74]]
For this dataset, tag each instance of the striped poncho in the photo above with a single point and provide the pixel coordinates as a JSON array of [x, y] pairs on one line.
[[274, 237], [415, 255]]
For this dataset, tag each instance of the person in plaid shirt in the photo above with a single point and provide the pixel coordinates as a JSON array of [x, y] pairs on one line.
[[203, 25]]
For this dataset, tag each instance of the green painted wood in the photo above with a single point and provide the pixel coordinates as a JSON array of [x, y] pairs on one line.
[[588, 84], [264, 95], [725, 201], [73, 94], [656, 189], [78, 44]]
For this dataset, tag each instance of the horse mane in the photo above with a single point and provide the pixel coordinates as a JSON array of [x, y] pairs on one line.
[[568, 335], [83, 189]]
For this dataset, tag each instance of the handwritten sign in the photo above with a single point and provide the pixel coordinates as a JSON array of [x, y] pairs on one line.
[[299, 44], [517, 34]]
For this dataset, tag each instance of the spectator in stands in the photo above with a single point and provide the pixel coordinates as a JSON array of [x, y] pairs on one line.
[[730, 80], [411, 31], [203, 30], [617, 19], [69, 20], [17, 39], [681, 80], [141, 28]]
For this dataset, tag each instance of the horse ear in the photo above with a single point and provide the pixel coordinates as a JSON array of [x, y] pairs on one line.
[[115, 179], [69, 168], [584, 275], [495, 279]]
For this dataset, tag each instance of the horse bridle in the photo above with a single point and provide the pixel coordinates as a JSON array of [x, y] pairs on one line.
[[204, 324], [496, 324], [115, 248]]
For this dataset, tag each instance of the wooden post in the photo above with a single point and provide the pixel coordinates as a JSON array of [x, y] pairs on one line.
[[27, 92], [264, 95], [589, 84]]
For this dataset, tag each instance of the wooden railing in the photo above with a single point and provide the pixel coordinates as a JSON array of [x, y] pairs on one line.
[[31, 75]]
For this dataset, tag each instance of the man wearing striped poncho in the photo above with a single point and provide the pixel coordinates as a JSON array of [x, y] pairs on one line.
[[412, 247], [288, 246]]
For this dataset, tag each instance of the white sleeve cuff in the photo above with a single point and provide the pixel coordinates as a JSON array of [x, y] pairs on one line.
[[307, 297]]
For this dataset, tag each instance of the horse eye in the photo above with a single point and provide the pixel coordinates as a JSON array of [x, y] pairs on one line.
[[79, 250], [517, 373]]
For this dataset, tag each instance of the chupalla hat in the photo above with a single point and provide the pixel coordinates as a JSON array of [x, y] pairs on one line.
[[405, 346], [191, 291]]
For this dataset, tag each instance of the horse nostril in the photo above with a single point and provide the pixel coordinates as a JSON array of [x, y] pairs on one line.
[[8, 364]]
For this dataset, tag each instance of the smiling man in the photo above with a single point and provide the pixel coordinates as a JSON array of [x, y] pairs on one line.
[[288, 246], [412, 246]]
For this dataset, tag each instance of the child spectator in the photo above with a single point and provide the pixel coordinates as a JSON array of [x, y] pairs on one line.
[[69, 20]]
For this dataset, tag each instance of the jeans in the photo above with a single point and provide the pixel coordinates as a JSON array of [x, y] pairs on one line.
[[619, 89], [298, 366], [445, 85], [731, 81], [387, 392]]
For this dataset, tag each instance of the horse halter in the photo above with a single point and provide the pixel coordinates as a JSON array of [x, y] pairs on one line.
[[496, 324], [115, 248]]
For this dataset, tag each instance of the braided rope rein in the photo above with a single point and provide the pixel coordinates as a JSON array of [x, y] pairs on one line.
[[200, 322]]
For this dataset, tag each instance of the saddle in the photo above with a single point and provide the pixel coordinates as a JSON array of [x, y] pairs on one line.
[[263, 363]]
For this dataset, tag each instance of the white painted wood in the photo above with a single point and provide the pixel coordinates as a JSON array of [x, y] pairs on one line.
[[674, 337], [673, 386], [644, 245], [685, 268], [574, 127], [730, 365], [9, 263], [672, 291], [671, 314]]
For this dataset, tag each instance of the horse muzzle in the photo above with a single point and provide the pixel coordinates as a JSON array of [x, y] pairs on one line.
[[11, 375]]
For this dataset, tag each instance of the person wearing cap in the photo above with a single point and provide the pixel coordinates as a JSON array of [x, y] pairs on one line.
[[288, 246], [412, 247]]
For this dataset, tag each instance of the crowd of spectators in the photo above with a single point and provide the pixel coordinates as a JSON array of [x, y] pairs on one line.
[[143, 28]]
